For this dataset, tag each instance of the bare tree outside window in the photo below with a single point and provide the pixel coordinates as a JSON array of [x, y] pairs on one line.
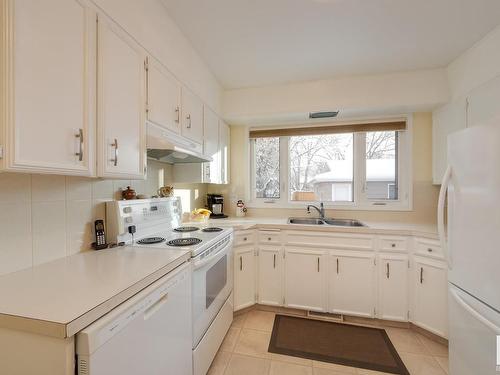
[[267, 167]]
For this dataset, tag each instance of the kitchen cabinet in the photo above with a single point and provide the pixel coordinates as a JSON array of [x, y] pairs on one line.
[[430, 283], [446, 120], [224, 144], [270, 276], [192, 116], [121, 104], [351, 283], [305, 283], [163, 97], [211, 170], [393, 287], [48, 97], [244, 277], [483, 104]]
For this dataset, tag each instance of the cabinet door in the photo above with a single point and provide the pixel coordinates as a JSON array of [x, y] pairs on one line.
[[211, 171], [121, 103], [192, 116], [244, 277], [270, 278], [305, 282], [393, 287], [164, 97], [50, 87], [352, 280], [431, 304], [483, 104], [224, 143]]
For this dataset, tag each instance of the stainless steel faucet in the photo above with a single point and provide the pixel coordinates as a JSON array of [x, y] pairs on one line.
[[321, 209]]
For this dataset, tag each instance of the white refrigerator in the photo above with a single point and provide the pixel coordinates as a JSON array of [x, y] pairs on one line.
[[472, 245]]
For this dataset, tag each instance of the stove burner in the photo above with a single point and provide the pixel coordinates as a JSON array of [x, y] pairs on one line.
[[150, 240], [184, 242], [212, 229], [186, 229]]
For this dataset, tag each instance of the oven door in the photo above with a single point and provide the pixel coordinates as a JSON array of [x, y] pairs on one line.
[[212, 285]]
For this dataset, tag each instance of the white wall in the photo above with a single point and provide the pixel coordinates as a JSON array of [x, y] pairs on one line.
[[355, 96], [477, 66], [149, 23]]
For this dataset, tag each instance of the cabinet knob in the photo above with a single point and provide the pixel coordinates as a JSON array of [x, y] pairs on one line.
[[393, 245], [429, 250], [269, 238], [244, 238]]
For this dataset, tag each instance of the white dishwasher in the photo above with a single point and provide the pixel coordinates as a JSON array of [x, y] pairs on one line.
[[151, 333]]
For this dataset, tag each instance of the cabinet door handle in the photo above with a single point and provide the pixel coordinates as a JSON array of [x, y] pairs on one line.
[[318, 264], [207, 171], [429, 249], [337, 265], [115, 159], [177, 114], [388, 272], [241, 263], [421, 275], [80, 150], [274, 261], [188, 117]]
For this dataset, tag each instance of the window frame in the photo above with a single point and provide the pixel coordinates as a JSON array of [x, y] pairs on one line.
[[360, 201]]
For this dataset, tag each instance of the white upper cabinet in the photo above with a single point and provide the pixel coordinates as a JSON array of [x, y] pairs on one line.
[[483, 104], [211, 171], [352, 280], [163, 96], [48, 72], [305, 286], [121, 104], [393, 287], [192, 116], [224, 142]]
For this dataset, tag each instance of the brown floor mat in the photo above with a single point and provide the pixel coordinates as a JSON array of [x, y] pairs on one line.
[[344, 344]]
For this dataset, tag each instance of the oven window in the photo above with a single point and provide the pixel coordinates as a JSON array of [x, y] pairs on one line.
[[216, 280]]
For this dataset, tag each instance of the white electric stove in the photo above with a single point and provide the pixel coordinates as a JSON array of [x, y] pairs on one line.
[[156, 223]]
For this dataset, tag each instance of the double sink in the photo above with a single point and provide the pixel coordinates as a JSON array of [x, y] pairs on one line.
[[325, 221]]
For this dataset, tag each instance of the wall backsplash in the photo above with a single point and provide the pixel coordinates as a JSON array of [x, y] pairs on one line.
[[45, 217]]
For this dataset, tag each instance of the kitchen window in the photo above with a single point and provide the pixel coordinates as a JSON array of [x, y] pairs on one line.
[[355, 166]]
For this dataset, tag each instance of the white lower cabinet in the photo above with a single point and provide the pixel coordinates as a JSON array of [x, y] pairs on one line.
[[244, 277], [352, 283], [393, 287], [431, 296], [305, 283], [270, 276]]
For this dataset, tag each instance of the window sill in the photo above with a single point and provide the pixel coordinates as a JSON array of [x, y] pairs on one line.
[[391, 206]]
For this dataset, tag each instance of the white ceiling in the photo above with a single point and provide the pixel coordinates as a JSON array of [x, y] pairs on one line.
[[261, 42]]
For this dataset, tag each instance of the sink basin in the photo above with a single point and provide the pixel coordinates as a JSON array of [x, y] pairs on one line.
[[326, 221], [305, 220], [345, 222]]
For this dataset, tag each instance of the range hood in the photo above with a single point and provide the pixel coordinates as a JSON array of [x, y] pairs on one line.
[[169, 147]]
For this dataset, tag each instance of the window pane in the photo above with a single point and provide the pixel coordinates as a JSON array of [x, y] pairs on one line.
[[321, 167], [382, 165], [267, 167]]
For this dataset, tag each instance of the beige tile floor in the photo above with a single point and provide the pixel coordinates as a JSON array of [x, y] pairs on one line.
[[244, 352]]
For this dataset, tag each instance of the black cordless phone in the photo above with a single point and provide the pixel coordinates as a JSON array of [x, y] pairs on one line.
[[100, 236]]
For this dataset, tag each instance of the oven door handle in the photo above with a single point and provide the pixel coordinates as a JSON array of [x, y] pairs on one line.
[[197, 264]]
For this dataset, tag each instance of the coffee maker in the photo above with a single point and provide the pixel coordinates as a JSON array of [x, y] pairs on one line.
[[215, 203]]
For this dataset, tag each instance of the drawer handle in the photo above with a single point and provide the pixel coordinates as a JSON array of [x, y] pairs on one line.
[[421, 275], [318, 264], [388, 272], [337, 265], [241, 263], [274, 260], [429, 249]]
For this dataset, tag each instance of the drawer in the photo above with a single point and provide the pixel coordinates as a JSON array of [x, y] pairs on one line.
[[393, 243], [430, 248], [329, 240], [270, 237], [245, 237]]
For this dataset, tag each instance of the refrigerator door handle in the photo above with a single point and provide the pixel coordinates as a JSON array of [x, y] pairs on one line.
[[440, 215], [474, 313]]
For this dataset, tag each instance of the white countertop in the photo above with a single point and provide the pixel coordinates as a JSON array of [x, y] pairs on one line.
[[390, 228], [62, 297]]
